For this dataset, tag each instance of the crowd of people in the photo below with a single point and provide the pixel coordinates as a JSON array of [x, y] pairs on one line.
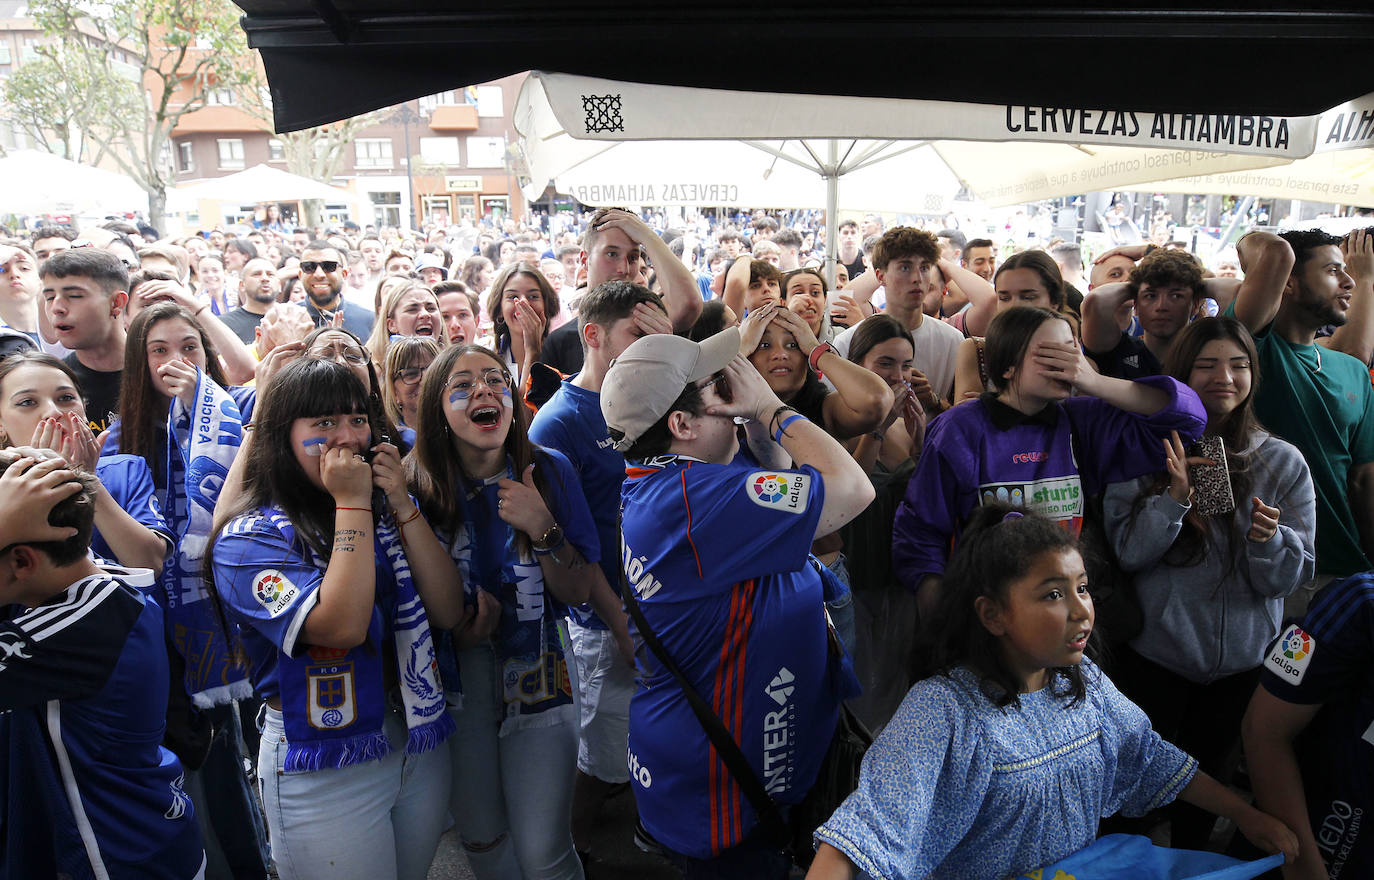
[[318, 543]]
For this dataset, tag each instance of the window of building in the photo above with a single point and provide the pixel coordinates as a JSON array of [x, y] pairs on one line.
[[486, 152], [185, 162], [491, 101], [386, 208], [373, 153], [230, 152], [276, 152], [439, 150], [220, 97], [442, 99]]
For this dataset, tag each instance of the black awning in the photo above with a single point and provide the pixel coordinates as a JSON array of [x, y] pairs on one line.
[[328, 59]]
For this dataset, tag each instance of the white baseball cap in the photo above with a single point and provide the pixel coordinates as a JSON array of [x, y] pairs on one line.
[[648, 376]]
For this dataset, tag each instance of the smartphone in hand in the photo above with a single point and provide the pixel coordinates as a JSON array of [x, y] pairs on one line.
[[1211, 482]]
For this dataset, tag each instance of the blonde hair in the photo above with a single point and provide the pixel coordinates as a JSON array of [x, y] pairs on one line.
[[380, 339]]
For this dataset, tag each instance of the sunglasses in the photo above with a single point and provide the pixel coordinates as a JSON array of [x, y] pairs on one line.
[[308, 267], [722, 383]]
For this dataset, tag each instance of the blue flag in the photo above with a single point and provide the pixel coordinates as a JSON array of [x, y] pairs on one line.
[[1119, 856]]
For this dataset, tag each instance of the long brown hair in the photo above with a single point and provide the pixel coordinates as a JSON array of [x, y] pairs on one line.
[[1194, 540], [404, 352], [548, 298], [433, 468], [142, 408]]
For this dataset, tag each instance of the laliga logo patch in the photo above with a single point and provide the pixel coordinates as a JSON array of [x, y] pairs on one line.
[[778, 491], [274, 591], [1289, 656]]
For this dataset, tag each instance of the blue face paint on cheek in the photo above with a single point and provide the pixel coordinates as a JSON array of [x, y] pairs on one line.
[[314, 446], [458, 401], [506, 400]]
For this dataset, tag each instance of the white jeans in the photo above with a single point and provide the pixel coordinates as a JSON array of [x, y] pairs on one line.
[[378, 820], [512, 794], [605, 684]]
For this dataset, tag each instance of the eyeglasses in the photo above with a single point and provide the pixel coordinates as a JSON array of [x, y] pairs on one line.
[[722, 383], [308, 267], [355, 357], [493, 378], [411, 375]]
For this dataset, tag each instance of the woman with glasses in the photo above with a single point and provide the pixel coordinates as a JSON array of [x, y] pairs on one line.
[[334, 580], [406, 362], [408, 309], [515, 520]]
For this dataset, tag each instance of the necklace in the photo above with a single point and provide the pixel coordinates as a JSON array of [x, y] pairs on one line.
[[1317, 349]]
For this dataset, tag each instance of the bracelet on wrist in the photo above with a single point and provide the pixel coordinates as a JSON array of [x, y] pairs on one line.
[[400, 524], [363, 509], [777, 414], [817, 353], [782, 427]]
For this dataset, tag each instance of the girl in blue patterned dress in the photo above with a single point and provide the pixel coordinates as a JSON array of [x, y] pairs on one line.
[[1013, 746]]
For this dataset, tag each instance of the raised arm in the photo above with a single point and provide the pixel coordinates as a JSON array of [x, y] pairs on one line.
[[1073, 365], [344, 609], [981, 296], [1267, 261], [847, 488], [681, 295], [737, 284], [233, 354], [860, 399], [1356, 336], [1101, 329]]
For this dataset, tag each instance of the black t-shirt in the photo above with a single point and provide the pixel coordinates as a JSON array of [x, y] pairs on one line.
[[857, 267], [99, 391], [1129, 360], [563, 350], [242, 322]]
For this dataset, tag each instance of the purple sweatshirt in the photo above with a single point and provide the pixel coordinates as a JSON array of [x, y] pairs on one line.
[[986, 451]]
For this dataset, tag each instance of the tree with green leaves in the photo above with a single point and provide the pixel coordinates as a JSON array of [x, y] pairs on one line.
[[317, 152], [56, 103], [167, 54]]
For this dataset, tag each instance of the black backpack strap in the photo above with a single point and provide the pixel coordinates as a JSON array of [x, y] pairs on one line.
[[770, 817]]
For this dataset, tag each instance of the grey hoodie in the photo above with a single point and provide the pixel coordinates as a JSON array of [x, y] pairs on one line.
[[1210, 620]]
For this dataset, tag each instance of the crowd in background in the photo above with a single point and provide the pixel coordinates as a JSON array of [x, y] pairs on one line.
[[1080, 536]]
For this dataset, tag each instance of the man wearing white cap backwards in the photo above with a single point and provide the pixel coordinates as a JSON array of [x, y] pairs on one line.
[[716, 550]]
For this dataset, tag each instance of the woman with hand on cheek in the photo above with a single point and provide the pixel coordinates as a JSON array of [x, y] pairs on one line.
[[41, 409], [334, 579], [521, 303], [516, 522]]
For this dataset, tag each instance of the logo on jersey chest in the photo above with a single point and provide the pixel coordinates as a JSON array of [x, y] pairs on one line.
[[331, 695]]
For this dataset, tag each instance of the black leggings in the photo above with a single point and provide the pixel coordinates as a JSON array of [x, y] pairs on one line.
[[1201, 719]]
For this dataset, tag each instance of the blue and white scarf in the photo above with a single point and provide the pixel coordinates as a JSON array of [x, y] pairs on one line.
[[201, 445], [530, 657], [334, 702]]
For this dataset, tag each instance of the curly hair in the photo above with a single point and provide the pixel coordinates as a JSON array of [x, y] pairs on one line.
[[1168, 267], [905, 241]]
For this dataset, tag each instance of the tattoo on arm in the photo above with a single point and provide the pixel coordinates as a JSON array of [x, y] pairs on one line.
[[347, 540]]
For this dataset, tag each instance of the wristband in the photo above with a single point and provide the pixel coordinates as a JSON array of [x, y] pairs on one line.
[[777, 437], [363, 509], [816, 354], [196, 313], [410, 519]]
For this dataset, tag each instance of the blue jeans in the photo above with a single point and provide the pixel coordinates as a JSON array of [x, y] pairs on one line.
[[512, 794], [842, 607], [378, 820]]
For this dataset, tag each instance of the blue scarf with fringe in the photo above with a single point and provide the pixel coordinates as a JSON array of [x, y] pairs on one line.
[[334, 702], [202, 441]]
